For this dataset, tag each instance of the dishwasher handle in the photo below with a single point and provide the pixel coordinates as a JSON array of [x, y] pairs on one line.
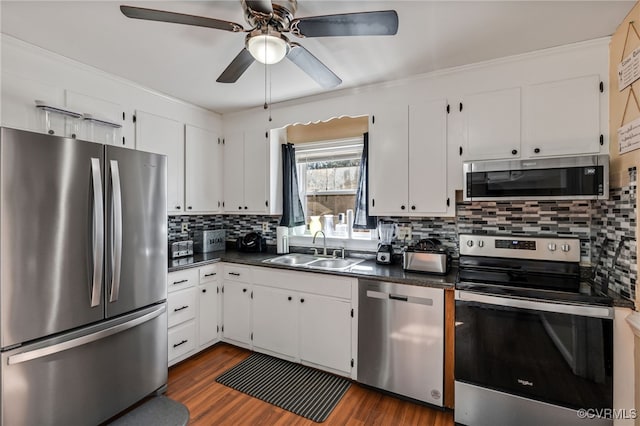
[[399, 297]]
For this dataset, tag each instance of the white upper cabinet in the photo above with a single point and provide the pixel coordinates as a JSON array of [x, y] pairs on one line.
[[388, 154], [428, 158], [492, 124], [408, 153], [105, 121], [252, 175], [203, 170], [165, 136], [562, 117]]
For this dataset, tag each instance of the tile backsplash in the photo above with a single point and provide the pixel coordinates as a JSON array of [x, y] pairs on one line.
[[589, 220]]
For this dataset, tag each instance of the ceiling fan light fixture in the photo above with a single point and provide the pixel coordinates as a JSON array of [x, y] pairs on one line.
[[268, 47]]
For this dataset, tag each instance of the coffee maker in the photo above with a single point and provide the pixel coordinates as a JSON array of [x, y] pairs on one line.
[[386, 233]]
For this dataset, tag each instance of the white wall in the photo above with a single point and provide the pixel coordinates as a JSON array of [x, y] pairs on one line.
[[29, 73]]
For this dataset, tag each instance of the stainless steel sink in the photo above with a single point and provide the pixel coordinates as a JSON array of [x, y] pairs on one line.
[[293, 259], [314, 262], [336, 264]]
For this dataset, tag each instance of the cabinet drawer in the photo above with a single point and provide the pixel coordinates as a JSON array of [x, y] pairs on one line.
[[309, 282], [237, 273], [181, 306], [182, 279], [208, 273], [182, 339]]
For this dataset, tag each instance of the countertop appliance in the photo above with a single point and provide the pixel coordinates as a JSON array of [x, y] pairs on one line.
[[209, 240], [401, 339], [179, 249], [561, 178], [252, 242], [386, 233], [534, 343], [83, 278], [427, 255]]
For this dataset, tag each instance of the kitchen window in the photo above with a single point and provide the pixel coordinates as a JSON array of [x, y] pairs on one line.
[[328, 174]]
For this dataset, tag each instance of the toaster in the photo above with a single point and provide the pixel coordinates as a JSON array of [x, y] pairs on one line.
[[180, 249], [427, 256]]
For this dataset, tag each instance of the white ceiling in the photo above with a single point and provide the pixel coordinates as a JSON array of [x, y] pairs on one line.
[[184, 61]]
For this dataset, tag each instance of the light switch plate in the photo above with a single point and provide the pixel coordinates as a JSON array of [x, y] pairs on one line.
[[404, 233]]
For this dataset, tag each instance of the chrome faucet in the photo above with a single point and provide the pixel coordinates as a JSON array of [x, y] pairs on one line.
[[324, 243]]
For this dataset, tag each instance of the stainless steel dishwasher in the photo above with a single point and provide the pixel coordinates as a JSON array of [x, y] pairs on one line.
[[401, 339]]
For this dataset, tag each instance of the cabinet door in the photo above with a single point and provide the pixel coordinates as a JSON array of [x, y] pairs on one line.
[[275, 321], [102, 110], [325, 332], [236, 311], [428, 157], [562, 117], [388, 153], [255, 171], [493, 124], [207, 313], [234, 172], [164, 136], [203, 174]]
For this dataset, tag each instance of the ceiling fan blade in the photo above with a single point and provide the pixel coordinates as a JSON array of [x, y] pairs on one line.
[[237, 67], [262, 7], [312, 66], [179, 18], [348, 24]]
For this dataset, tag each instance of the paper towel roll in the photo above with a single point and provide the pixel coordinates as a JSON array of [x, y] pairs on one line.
[[282, 239]]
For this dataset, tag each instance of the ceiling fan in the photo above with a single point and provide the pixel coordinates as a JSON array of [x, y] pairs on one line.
[[266, 41]]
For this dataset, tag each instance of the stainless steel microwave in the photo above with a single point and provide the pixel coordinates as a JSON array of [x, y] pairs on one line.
[[562, 178]]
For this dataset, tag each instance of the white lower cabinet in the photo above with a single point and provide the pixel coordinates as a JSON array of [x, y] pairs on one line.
[[236, 312], [193, 311], [299, 316], [325, 331], [275, 320]]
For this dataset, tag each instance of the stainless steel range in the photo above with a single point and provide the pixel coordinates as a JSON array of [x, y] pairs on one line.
[[534, 343]]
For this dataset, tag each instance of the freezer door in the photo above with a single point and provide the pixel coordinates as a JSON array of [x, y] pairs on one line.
[[136, 258], [87, 376], [51, 234]]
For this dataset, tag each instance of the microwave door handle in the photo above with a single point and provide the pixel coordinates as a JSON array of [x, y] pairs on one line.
[[517, 303], [116, 231], [97, 225]]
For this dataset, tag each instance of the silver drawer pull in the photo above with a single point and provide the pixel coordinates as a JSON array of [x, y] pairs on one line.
[[181, 308], [179, 344], [180, 282]]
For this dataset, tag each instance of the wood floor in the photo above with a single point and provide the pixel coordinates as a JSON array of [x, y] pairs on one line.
[[192, 382]]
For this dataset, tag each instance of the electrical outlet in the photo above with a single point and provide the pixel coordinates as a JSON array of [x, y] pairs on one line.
[[265, 226], [185, 227], [404, 233]]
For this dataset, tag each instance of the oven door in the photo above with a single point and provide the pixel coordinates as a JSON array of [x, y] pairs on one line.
[[559, 354]]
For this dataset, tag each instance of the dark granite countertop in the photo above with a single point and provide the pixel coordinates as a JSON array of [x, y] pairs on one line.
[[365, 269]]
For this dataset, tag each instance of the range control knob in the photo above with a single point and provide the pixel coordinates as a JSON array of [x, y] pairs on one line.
[[552, 246], [470, 243], [565, 247], [480, 243]]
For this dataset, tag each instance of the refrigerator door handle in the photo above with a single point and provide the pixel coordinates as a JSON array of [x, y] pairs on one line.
[[80, 341], [98, 232], [116, 230]]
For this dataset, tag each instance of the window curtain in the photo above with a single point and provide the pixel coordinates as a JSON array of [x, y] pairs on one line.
[[361, 218], [292, 213]]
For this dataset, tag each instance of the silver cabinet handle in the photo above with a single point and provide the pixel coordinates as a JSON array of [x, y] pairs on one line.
[[98, 232], [581, 310], [80, 341], [116, 231]]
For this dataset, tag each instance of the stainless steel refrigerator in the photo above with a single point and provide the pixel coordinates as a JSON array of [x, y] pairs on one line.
[[83, 258]]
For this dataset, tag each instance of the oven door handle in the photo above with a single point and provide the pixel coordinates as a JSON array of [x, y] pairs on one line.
[[569, 309]]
